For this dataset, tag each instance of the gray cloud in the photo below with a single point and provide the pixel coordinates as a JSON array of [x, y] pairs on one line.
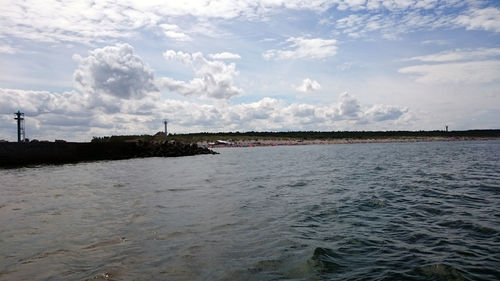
[[116, 71], [35, 103], [380, 113], [348, 107]]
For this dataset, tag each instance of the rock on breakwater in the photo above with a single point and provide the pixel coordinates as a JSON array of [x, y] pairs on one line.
[[18, 154]]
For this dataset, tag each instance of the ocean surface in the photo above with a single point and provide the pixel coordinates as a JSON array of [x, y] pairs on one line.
[[387, 211]]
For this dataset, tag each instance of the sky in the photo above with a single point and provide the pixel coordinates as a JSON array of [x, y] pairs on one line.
[[80, 69]]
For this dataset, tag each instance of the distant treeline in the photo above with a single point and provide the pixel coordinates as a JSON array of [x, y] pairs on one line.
[[351, 134], [127, 138], [305, 135]]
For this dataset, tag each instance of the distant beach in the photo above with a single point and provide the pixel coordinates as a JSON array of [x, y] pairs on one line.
[[290, 142]]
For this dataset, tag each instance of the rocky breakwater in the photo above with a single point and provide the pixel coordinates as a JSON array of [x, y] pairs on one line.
[[19, 154]]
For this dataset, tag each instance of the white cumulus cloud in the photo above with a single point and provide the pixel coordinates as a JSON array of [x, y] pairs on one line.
[[304, 48], [308, 85], [115, 71], [212, 79], [225, 56], [174, 32]]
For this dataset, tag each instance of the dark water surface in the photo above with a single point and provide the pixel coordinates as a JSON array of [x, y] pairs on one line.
[[397, 211]]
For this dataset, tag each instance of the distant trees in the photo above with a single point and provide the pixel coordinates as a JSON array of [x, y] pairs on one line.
[[301, 135]]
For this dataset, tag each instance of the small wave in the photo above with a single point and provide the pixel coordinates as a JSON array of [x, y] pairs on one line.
[[372, 203], [322, 263], [325, 260], [42, 256], [438, 272], [356, 246], [222, 226], [317, 214], [102, 276], [489, 187], [418, 238], [433, 211], [178, 189], [299, 183], [106, 243], [170, 235], [478, 229], [266, 265]]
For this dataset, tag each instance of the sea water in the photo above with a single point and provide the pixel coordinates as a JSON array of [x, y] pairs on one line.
[[392, 211]]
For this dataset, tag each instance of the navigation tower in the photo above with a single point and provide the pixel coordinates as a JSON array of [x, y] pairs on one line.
[[20, 125]]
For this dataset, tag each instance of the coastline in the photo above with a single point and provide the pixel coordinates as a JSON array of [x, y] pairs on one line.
[[293, 142], [13, 154]]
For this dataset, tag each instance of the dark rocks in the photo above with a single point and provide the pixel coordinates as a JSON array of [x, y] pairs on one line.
[[18, 154], [169, 149]]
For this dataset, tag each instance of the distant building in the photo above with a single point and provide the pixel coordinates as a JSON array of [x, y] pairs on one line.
[[223, 142]]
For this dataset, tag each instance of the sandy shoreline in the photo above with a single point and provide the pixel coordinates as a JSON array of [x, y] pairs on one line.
[[290, 142]]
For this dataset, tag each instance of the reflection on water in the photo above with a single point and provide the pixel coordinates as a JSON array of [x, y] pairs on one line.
[[417, 211]]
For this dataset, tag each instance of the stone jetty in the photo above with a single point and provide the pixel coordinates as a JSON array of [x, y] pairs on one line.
[[33, 153]]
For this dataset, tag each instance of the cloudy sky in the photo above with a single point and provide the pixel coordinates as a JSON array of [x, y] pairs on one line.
[[92, 68]]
